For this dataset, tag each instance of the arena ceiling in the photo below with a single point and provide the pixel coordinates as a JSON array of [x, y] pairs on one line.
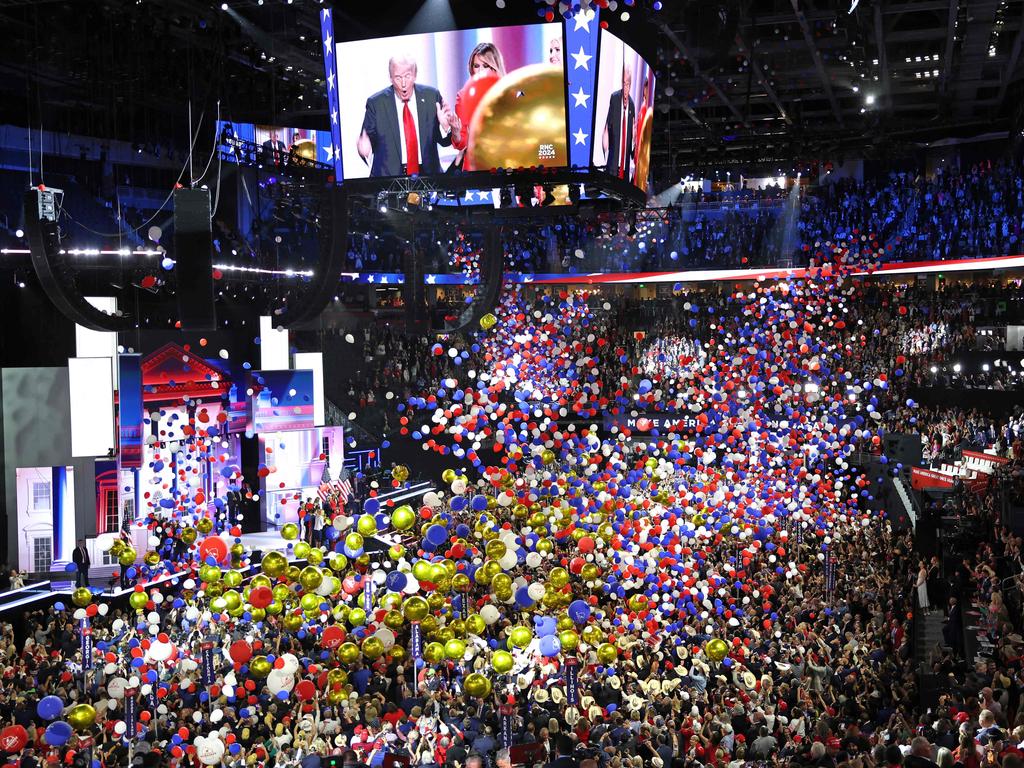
[[741, 82]]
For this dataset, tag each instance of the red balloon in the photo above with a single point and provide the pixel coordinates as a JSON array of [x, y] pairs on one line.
[[305, 690], [468, 99], [332, 637], [215, 547], [260, 597], [13, 738], [241, 651]]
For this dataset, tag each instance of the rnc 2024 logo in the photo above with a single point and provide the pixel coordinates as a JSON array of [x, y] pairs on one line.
[[546, 152]]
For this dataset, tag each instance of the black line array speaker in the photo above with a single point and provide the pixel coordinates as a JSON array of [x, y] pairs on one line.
[[193, 254]]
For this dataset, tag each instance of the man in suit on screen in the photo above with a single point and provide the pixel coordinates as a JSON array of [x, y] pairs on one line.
[[404, 124], [617, 140]]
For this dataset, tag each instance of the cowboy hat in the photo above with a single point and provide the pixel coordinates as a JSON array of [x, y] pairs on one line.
[[522, 682], [340, 740], [614, 682], [556, 695], [541, 695], [586, 702], [749, 680], [572, 716], [651, 687], [594, 712]]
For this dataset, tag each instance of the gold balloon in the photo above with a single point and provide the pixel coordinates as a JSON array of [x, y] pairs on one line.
[[337, 676], [232, 599], [81, 597], [315, 556], [558, 577], [502, 662], [334, 698], [204, 525], [310, 578], [496, 549], [258, 614], [392, 601], [592, 634], [520, 636], [433, 653], [461, 582], [116, 548], [259, 666], [449, 476], [357, 617], [274, 564], [304, 148], [454, 649], [127, 556], [607, 653], [643, 150], [209, 574], [274, 609], [289, 531], [421, 569], [259, 580], [475, 624], [547, 456], [338, 563], [232, 579], [716, 649], [310, 603], [373, 647], [348, 652], [189, 536], [396, 552], [354, 541], [569, 639], [393, 620], [81, 717], [301, 550], [138, 600], [366, 525], [476, 685], [415, 608], [292, 622], [397, 653], [281, 593], [151, 558], [292, 572], [488, 321], [400, 473], [520, 122]]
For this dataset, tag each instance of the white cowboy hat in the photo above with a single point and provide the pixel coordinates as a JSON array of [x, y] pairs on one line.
[[614, 682], [572, 716], [749, 680], [586, 702], [541, 695], [556, 695], [522, 682], [594, 711], [652, 687]]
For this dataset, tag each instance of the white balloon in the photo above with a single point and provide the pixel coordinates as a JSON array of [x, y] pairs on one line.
[[411, 585], [490, 614], [386, 636], [116, 687], [160, 651], [535, 591], [291, 663], [508, 560], [533, 560], [278, 680], [120, 727], [209, 750], [326, 586]]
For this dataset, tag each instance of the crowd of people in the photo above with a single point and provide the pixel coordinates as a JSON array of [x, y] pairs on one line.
[[723, 591], [952, 213]]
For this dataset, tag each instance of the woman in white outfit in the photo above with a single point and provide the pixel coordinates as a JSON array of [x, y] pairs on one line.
[[922, 588]]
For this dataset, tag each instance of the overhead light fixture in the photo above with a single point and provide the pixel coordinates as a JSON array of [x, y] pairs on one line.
[[869, 99]]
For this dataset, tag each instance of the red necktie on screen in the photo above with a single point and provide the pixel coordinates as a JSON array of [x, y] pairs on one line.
[[622, 138], [412, 147]]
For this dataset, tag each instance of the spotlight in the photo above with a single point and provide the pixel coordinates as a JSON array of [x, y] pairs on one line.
[[869, 99], [19, 233], [223, 6]]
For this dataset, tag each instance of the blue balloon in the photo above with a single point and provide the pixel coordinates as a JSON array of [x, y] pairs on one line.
[[579, 611], [550, 645], [49, 707], [546, 626], [396, 581], [57, 733]]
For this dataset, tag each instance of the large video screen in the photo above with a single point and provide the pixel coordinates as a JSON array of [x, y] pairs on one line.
[[282, 400], [436, 103], [277, 143], [623, 112]]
